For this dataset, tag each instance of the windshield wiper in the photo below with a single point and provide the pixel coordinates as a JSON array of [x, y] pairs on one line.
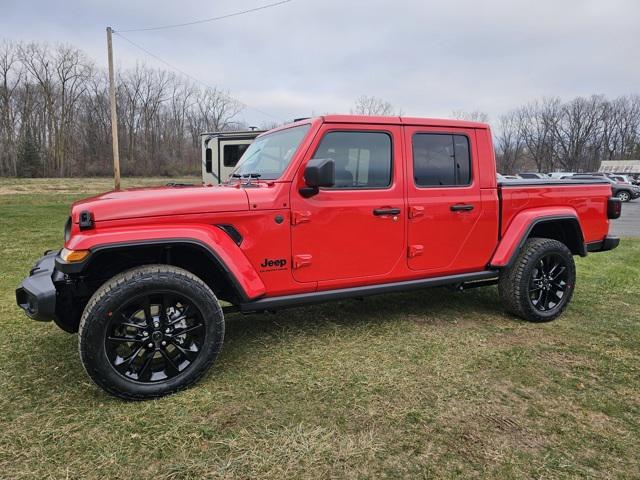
[[246, 175], [248, 178]]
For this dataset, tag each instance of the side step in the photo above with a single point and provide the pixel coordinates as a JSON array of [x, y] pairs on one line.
[[285, 301]]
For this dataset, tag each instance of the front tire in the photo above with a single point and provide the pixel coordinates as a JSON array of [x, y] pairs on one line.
[[150, 331], [539, 284]]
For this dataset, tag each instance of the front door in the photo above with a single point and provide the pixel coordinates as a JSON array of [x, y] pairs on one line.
[[355, 229], [444, 198]]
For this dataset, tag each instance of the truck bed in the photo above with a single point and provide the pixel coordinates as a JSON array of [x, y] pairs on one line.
[[586, 198]]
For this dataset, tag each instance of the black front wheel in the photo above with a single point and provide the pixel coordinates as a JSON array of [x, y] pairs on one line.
[[150, 331], [539, 284]]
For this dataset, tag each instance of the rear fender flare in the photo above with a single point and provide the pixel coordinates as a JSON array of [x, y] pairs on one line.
[[524, 223], [212, 240]]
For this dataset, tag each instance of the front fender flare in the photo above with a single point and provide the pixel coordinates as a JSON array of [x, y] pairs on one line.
[[213, 240], [521, 226]]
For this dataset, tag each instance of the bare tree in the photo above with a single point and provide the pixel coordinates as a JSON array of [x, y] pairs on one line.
[[11, 73], [537, 120], [370, 105], [475, 116], [509, 144]]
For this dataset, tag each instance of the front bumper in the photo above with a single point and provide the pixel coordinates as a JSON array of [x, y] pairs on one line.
[[609, 243], [36, 295]]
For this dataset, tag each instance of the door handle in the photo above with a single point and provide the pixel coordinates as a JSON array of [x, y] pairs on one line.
[[386, 211], [461, 207]]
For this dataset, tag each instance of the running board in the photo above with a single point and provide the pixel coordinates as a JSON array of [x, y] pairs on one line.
[[285, 301]]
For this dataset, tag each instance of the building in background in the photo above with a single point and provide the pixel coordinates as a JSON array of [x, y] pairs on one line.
[[620, 166]]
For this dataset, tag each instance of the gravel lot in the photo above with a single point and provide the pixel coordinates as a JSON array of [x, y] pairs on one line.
[[628, 225]]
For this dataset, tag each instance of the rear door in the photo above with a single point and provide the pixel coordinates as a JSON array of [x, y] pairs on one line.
[[356, 229], [444, 198]]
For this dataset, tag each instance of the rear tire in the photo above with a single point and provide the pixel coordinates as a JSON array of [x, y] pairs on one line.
[[150, 331], [539, 284]]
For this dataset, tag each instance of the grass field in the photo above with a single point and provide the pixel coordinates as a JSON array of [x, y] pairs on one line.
[[431, 383]]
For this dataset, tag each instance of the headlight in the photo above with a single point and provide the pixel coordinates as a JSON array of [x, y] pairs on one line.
[[67, 230]]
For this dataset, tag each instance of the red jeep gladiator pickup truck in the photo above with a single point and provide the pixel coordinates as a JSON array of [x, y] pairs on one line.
[[322, 209]]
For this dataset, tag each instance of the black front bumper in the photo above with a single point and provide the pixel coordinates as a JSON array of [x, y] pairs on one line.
[[609, 243], [37, 293]]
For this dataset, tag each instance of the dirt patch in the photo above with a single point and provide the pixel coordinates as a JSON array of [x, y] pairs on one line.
[[489, 436]]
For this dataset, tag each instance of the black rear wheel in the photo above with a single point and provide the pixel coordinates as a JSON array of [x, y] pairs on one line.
[[150, 331], [539, 284]]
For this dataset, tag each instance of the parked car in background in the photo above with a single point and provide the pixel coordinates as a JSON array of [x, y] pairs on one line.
[[624, 191], [532, 175], [627, 179], [560, 174], [500, 177]]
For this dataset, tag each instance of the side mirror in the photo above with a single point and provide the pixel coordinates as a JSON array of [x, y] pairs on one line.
[[319, 172]]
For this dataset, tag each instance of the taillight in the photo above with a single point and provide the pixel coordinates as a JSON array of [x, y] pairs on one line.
[[614, 207]]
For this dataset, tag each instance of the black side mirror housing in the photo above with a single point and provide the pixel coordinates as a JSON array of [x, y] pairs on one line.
[[319, 172]]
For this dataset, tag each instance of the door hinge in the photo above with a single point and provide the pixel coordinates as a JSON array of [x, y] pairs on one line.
[[415, 250], [300, 217], [416, 212], [302, 260]]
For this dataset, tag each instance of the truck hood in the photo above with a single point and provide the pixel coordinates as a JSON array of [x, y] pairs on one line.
[[160, 201]]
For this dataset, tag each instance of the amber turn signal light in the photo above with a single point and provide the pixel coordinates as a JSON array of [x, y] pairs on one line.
[[73, 256]]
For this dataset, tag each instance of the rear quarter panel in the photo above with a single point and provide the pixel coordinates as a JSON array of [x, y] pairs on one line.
[[589, 202], [523, 205]]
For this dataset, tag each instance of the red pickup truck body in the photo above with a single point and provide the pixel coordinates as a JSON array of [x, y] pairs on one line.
[[314, 231], [332, 240]]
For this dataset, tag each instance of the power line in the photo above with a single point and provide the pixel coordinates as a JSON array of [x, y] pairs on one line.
[[212, 19], [192, 77]]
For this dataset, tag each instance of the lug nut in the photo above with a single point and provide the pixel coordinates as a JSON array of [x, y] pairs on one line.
[[150, 345], [167, 330], [145, 334], [164, 344]]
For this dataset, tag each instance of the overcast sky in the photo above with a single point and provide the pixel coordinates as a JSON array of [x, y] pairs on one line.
[[307, 57]]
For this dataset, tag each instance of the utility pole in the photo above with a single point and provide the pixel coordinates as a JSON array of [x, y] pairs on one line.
[[114, 113]]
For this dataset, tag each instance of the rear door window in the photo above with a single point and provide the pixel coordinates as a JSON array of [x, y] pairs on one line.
[[441, 160]]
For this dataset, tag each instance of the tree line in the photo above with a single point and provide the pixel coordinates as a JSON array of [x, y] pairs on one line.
[[55, 117], [55, 120], [550, 135]]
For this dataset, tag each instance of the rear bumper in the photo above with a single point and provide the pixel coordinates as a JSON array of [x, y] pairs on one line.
[[609, 243], [36, 295]]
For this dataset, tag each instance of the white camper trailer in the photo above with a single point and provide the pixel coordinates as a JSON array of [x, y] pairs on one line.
[[221, 152]]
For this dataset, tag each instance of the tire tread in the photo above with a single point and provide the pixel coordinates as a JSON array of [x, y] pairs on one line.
[[127, 279], [513, 282]]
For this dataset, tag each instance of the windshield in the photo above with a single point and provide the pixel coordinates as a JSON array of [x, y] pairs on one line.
[[268, 156]]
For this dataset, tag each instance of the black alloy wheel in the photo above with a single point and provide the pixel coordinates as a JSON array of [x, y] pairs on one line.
[[538, 284], [548, 284], [155, 336], [150, 331]]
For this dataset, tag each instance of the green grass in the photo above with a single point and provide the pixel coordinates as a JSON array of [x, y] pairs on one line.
[[425, 384]]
